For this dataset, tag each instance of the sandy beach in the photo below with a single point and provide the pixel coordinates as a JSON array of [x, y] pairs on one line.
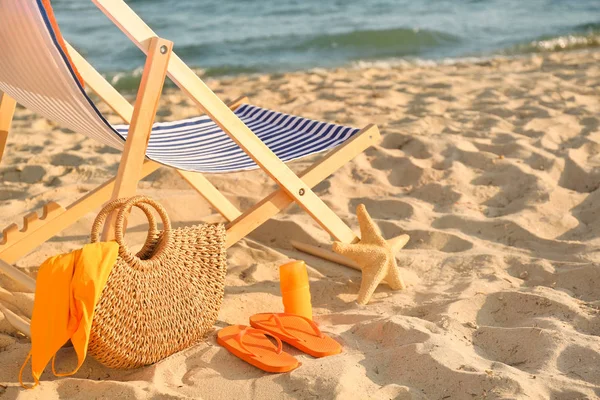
[[492, 167]]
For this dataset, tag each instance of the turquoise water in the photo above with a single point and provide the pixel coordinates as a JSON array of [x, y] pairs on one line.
[[231, 37]]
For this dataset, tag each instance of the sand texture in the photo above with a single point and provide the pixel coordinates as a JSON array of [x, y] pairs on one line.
[[492, 168]]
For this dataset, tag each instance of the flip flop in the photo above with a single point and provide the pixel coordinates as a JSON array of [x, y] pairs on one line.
[[253, 346], [298, 331]]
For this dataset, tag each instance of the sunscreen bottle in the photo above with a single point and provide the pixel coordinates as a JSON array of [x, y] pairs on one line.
[[293, 279]]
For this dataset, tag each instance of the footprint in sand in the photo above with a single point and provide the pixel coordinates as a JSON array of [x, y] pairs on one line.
[[412, 146], [509, 233], [426, 239], [526, 348], [440, 196], [29, 174], [579, 281], [390, 209], [67, 160], [579, 362], [580, 174], [540, 307]]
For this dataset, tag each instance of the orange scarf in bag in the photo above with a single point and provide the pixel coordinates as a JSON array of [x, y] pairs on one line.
[[67, 290]]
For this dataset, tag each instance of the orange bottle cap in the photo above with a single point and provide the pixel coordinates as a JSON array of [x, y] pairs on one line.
[[293, 275]]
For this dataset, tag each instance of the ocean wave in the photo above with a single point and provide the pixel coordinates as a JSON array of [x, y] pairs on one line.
[[585, 36], [559, 43], [376, 42], [399, 40]]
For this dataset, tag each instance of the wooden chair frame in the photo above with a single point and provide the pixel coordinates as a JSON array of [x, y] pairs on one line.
[[162, 62]]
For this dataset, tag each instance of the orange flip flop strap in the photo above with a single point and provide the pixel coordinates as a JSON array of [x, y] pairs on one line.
[[239, 338], [279, 324]]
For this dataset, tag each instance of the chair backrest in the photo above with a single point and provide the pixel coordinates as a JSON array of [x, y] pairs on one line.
[[35, 71]]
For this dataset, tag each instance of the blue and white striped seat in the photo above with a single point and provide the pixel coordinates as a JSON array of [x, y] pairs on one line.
[[34, 69], [198, 144]]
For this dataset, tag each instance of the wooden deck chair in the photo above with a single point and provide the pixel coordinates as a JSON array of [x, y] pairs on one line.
[[42, 72]]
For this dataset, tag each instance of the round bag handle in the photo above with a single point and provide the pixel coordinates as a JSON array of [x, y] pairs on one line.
[[113, 205], [124, 206], [153, 231]]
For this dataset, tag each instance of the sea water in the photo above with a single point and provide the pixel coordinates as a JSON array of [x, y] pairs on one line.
[[227, 37]]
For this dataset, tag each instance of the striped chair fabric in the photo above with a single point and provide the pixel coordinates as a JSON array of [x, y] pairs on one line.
[[34, 70]]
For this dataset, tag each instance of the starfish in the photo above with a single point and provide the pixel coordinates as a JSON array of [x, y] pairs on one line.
[[375, 255]]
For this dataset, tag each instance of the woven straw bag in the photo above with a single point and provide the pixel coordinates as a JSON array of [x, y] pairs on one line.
[[162, 299]]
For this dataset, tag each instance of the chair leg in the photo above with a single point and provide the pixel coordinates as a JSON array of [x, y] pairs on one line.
[[279, 200], [18, 276], [7, 111], [144, 112]]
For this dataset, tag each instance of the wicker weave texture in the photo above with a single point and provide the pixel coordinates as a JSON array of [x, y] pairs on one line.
[[162, 299]]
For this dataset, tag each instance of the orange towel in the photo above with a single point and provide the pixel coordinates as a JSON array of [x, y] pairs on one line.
[[67, 289]]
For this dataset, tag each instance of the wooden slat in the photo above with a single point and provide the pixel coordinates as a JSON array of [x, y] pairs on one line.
[[7, 111], [144, 112], [18, 276], [32, 221], [17, 322], [137, 30], [279, 200]]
